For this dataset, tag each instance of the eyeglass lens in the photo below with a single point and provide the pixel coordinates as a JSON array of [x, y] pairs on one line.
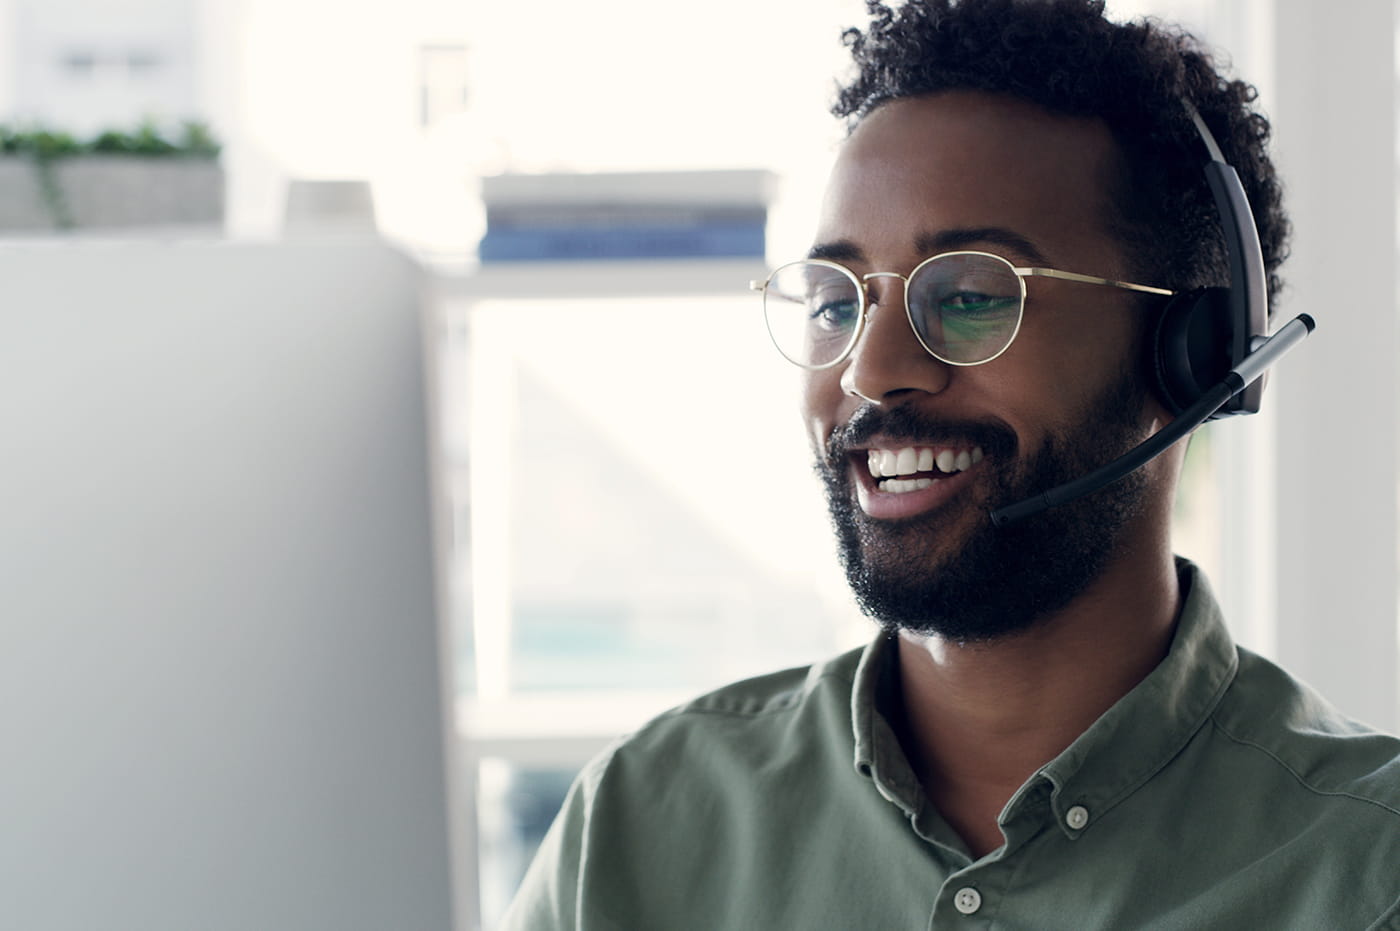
[[964, 306]]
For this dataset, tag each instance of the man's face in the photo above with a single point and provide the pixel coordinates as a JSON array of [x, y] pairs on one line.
[[971, 171]]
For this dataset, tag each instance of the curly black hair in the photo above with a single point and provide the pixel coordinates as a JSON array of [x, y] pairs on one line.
[[1067, 57]]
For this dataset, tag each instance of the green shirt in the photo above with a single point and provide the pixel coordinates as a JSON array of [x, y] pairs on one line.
[[1219, 793]]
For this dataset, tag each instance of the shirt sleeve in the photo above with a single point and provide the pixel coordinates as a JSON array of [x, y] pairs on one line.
[[557, 893], [547, 899]]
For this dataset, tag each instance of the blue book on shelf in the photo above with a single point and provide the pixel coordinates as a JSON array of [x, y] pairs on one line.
[[545, 243]]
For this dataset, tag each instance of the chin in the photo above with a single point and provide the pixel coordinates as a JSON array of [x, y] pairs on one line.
[[955, 575]]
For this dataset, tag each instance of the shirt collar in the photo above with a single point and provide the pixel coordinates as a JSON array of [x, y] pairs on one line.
[[879, 755], [1119, 752]]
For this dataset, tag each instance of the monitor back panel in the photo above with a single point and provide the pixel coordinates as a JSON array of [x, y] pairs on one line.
[[220, 702]]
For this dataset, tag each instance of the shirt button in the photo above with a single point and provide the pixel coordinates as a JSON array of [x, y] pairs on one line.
[[1077, 817], [967, 900]]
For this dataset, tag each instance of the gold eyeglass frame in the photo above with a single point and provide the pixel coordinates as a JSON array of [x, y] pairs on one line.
[[862, 284]]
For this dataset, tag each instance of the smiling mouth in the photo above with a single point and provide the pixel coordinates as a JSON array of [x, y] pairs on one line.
[[914, 468]]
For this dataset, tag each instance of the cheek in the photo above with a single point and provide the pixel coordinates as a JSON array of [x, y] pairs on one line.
[[1074, 338], [821, 404], [1075, 349]]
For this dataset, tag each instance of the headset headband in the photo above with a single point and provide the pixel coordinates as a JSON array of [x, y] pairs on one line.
[[1249, 294]]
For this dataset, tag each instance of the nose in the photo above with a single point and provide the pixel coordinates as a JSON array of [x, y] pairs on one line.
[[888, 363]]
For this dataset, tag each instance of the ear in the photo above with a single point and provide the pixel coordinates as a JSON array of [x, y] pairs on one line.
[[1189, 348]]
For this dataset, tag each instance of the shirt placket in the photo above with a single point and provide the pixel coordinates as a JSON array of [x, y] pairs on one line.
[[971, 896]]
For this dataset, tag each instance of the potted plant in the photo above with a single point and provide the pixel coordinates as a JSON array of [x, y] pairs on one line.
[[51, 180]]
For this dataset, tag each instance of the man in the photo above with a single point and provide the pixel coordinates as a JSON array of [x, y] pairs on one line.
[[1054, 729]]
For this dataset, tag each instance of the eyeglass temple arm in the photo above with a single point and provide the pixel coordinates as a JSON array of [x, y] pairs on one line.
[[1090, 279]]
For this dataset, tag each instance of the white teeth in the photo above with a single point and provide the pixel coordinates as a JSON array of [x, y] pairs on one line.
[[900, 485], [886, 464], [882, 463]]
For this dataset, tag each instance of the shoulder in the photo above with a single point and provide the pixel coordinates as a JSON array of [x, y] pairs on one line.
[[1306, 778], [690, 820], [1296, 732], [776, 693], [768, 722]]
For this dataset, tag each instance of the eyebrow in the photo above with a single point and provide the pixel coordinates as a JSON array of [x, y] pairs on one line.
[[844, 250]]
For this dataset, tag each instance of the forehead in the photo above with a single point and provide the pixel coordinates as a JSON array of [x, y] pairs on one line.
[[919, 167]]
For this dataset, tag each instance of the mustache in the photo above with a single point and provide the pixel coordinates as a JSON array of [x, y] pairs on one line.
[[907, 424]]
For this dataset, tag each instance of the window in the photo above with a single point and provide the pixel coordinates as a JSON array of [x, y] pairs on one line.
[[141, 63], [442, 82], [79, 64], [645, 525]]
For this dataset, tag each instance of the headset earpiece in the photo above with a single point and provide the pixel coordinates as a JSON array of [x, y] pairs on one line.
[[1209, 349], [1189, 348]]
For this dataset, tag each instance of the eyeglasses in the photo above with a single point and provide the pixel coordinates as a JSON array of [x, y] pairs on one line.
[[965, 307]]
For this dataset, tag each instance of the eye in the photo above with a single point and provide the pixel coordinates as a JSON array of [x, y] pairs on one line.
[[974, 304], [835, 314]]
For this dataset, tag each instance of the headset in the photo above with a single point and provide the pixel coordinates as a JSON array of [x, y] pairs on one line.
[[1209, 348]]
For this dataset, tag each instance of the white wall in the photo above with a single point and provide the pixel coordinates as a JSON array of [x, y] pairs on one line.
[[8, 62], [1337, 440], [44, 32]]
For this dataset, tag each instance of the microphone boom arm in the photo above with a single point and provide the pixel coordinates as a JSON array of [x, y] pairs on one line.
[[1236, 380]]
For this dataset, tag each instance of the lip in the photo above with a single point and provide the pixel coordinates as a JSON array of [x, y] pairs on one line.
[[884, 505]]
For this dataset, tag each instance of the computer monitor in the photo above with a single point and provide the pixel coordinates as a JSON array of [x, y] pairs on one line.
[[220, 689]]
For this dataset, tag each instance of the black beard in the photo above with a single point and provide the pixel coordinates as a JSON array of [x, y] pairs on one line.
[[1001, 581]]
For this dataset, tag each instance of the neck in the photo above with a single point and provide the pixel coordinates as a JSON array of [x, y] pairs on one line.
[[980, 719]]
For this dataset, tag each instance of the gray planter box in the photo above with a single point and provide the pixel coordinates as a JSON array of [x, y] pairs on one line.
[[113, 191]]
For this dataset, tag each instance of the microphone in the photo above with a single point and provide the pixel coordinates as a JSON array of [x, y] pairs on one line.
[[1264, 353]]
